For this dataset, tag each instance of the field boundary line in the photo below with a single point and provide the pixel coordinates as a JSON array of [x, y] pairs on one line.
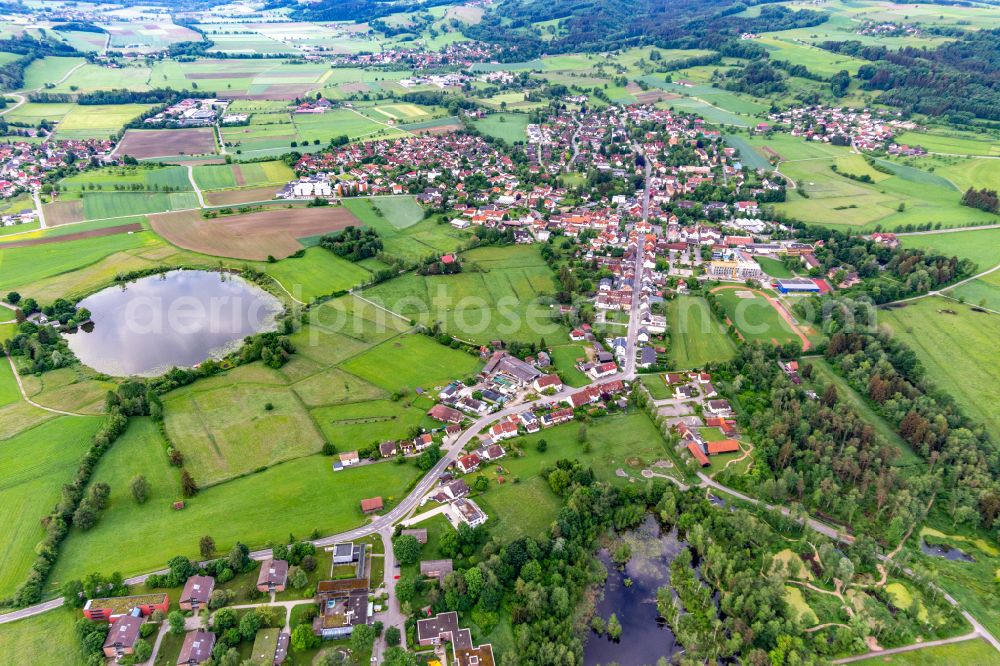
[[357, 294]]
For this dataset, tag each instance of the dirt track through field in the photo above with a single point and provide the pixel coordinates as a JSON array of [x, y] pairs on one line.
[[92, 233], [253, 236]]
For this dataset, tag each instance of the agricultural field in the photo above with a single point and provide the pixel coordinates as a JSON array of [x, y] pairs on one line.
[[983, 292], [909, 196], [97, 121], [38, 462], [49, 70], [273, 130], [234, 429], [256, 236], [696, 337], [498, 295], [147, 144], [511, 127], [953, 142], [251, 174], [935, 328], [411, 361], [318, 273]]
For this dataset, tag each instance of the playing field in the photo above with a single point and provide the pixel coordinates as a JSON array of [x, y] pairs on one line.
[[696, 337], [956, 346], [499, 294], [754, 316], [36, 465]]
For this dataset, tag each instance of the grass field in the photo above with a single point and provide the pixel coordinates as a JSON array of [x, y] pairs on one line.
[[984, 291], [228, 431], [564, 359], [251, 174], [305, 493], [774, 268], [411, 361], [49, 638], [318, 273], [390, 217], [37, 463], [499, 300], [981, 246], [956, 350], [696, 337], [511, 127], [525, 505], [952, 142], [976, 651], [48, 70], [826, 375]]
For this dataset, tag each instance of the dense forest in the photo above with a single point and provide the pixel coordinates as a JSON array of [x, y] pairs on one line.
[[604, 25], [354, 10], [959, 79]]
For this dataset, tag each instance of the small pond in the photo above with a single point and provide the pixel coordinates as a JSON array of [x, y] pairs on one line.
[[179, 318], [947, 552], [645, 637]]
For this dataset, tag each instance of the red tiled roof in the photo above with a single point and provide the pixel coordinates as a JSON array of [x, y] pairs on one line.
[[698, 455], [723, 446]]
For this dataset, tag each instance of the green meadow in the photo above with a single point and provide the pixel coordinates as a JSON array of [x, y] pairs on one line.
[[499, 294], [38, 462], [511, 127], [696, 337], [934, 328]]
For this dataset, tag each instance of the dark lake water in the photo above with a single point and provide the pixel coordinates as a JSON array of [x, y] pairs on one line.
[[644, 639], [178, 319], [947, 552]]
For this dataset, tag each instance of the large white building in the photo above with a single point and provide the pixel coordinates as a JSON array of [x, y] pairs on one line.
[[735, 265]]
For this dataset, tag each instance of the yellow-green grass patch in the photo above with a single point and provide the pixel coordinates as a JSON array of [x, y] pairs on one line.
[[795, 599], [786, 557]]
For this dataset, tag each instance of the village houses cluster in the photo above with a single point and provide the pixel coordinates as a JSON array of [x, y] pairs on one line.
[[865, 129]]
